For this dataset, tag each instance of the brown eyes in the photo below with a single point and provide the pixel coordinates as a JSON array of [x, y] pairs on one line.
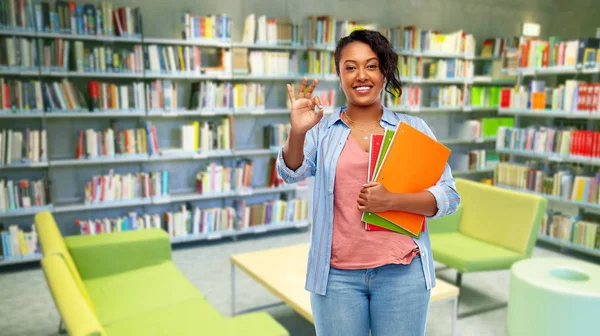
[[371, 66]]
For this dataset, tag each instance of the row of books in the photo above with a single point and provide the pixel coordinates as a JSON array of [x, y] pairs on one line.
[[122, 187], [573, 96], [206, 27], [207, 136], [110, 96], [217, 178], [18, 52], [566, 182], [64, 95], [449, 96], [112, 142], [494, 47], [271, 31], [70, 18], [174, 58], [193, 221], [22, 194], [483, 127], [574, 229], [275, 135], [475, 160], [107, 59], [447, 69], [484, 96], [565, 141], [14, 242], [557, 52], [27, 146]]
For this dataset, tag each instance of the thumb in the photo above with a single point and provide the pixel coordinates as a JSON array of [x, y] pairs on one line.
[[371, 184]]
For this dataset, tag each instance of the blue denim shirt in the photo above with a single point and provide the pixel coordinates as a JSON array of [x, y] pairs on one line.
[[322, 148]]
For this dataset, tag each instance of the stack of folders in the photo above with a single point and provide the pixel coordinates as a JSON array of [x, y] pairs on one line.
[[403, 161]]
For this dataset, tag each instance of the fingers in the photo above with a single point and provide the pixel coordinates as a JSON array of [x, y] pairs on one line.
[[370, 184], [361, 201], [290, 93], [311, 88], [302, 87], [362, 208]]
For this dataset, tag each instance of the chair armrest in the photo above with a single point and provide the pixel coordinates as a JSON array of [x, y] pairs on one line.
[[446, 224], [118, 252], [74, 310]]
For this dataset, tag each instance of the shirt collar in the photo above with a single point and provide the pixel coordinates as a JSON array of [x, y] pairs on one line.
[[388, 117]]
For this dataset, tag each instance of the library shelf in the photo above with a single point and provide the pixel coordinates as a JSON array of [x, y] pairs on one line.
[[200, 42], [19, 72], [266, 46], [96, 114], [207, 112], [99, 160], [420, 80], [479, 109], [78, 207], [257, 229], [486, 58], [548, 113], [556, 199], [17, 32], [467, 141], [569, 245], [187, 197], [21, 115], [190, 75], [488, 80], [555, 70], [167, 155], [470, 172], [90, 74], [25, 211], [13, 260], [25, 165], [555, 157], [97, 38]]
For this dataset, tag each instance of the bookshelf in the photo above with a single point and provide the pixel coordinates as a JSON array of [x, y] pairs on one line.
[[68, 174], [555, 104]]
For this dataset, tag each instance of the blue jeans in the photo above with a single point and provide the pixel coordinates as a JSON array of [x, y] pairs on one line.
[[387, 300]]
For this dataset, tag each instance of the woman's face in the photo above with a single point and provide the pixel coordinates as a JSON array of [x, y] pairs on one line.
[[360, 75]]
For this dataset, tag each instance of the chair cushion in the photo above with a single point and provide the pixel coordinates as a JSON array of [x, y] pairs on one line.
[[132, 293], [468, 254], [190, 317]]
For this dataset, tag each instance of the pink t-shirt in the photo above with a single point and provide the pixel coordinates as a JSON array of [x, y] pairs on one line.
[[353, 247]]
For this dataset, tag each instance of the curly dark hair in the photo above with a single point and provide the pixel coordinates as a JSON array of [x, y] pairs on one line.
[[388, 59]]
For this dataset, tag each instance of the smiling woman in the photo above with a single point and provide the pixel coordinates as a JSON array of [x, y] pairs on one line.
[[361, 281]]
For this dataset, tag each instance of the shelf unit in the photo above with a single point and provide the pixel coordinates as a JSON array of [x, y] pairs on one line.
[[68, 165], [546, 117]]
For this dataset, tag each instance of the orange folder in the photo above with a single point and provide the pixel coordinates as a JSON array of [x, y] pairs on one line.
[[413, 163]]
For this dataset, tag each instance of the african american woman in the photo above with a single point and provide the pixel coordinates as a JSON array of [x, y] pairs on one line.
[[361, 281]]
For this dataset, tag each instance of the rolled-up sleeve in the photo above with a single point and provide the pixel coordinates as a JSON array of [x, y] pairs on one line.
[[444, 191], [308, 167]]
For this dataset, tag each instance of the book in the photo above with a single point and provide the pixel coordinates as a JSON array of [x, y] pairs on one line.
[[378, 151], [412, 163]]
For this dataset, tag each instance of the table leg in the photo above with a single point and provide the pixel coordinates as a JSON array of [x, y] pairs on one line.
[[454, 315], [232, 289]]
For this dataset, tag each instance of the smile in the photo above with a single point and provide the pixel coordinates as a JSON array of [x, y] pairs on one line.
[[363, 89]]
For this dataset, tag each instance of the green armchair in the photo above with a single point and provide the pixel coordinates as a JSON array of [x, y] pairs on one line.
[[492, 229]]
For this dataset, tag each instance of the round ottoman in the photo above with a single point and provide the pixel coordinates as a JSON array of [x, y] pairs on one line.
[[554, 296]]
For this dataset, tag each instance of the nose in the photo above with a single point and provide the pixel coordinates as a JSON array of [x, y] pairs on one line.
[[362, 74]]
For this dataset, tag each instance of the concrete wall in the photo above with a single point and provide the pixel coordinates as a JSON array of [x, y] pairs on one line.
[[578, 18]]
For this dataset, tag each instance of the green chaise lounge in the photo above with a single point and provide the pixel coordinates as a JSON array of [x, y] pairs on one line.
[[126, 284]]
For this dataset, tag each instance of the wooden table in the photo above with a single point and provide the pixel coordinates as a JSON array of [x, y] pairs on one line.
[[283, 272]]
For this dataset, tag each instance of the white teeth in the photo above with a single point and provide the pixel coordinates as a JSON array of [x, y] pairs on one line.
[[362, 88]]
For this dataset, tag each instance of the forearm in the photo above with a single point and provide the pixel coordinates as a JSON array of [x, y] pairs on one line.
[[422, 203], [293, 150]]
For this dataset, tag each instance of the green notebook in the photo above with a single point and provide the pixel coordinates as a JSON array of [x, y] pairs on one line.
[[371, 218]]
